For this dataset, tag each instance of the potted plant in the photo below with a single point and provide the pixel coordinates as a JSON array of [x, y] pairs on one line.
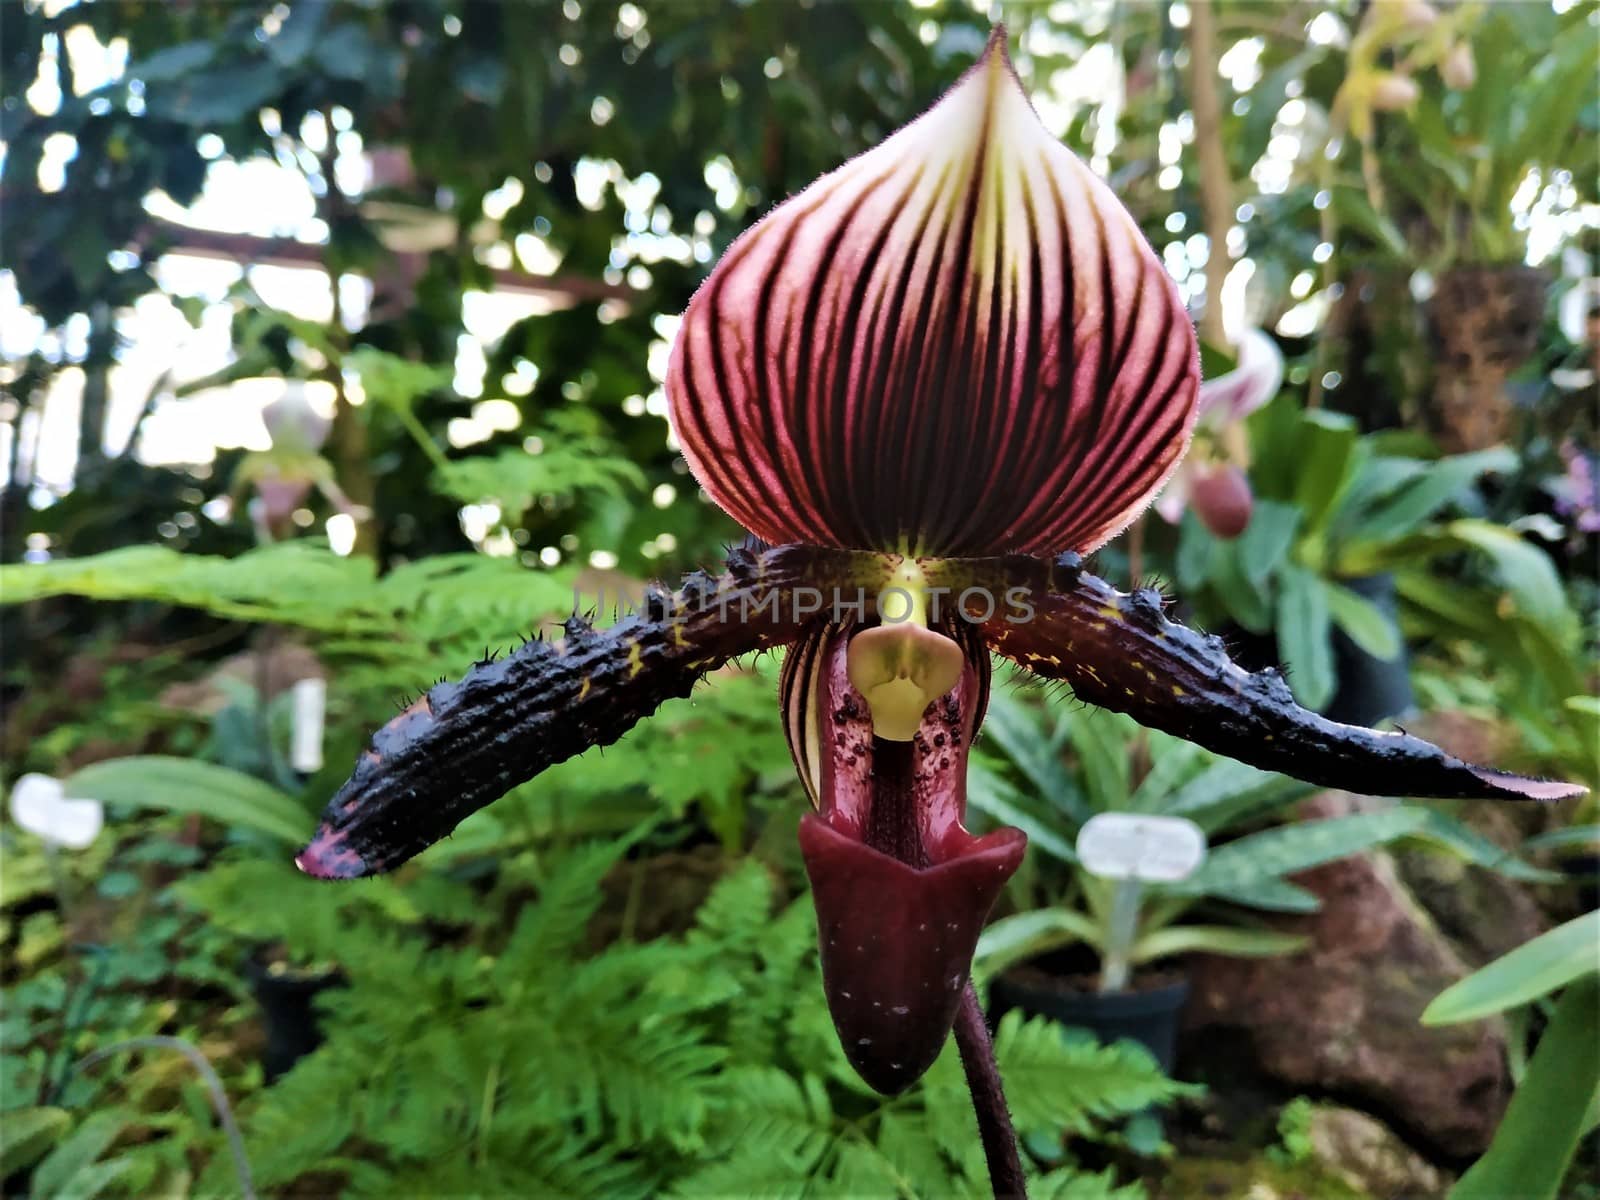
[[1050, 773], [1449, 175], [1344, 528]]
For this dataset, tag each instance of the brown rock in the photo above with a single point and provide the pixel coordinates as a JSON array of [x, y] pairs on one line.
[[1341, 1018], [1367, 1155]]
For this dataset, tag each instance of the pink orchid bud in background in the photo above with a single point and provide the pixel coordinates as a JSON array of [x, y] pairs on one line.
[[1220, 496], [1459, 70], [1393, 92], [1255, 379]]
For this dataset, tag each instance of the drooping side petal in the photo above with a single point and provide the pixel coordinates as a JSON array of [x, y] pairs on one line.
[[956, 343], [465, 744], [1121, 652]]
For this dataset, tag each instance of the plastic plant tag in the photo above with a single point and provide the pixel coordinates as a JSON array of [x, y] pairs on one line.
[[1145, 848], [309, 700], [39, 804]]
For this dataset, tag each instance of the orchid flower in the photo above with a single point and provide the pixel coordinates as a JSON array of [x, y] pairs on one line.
[[1211, 478], [927, 385]]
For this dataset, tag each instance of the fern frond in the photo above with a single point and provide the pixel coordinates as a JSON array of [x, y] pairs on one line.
[[1055, 1081]]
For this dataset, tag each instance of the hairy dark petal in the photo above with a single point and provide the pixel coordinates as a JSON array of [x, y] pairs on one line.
[[465, 744], [1121, 652]]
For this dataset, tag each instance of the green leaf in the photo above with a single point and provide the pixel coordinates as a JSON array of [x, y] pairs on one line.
[[1215, 939], [1056, 1082], [1353, 209], [1100, 738], [1264, 545], [1525, 570], [172, 62], [996, 798], [1304, 643], [1020, 730], [1362, 621], [1407, 508], [1015, 939], [190, 786], [1196, 548], [1175, 763], [77, 1154], [29, 1134], [1549, 962], [1561, 839], [1443, 830], [1273, 895], [1247, 603], [1274, 853], [1539, 1134]]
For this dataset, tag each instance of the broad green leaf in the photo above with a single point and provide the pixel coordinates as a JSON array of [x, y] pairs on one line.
[[1264, 545], [1362, 621], [1274, 853], [1219, 782], [1100, 738], [1271, 795], [1247, 603], [1304, 636], [1560, 839], [1215, 939], [1014, 939], [1174, 764], [1330, 456], [1020, 730], [1406, 509], [173, 62], [996, 798], [1441, 829], [1353, 209], [1550, 1109], [1547, 963], [1273, 895], [1525, 570], [29, 1135], [190, 786], [1197, 548], [77, 1153]]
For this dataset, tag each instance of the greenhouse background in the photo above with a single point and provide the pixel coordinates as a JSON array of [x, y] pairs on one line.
[[336, 344]]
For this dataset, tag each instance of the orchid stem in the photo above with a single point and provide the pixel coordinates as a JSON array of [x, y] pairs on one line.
[[989, 1100]]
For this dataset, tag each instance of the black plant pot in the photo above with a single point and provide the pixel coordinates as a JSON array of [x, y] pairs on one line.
[[1370, 690], [287, 1000], [1149, 1017]]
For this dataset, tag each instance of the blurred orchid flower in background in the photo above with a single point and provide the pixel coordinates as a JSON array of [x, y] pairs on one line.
[[1577, 491], [40, 804], [283, 476], [928, 383], [1211, 479]]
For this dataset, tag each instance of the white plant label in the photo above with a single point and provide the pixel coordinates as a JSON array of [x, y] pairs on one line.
[[309, 702], [1148, 849], [40, 804]]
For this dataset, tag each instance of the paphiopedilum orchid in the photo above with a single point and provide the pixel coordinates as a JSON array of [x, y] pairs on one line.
[[928, 385], [1211, 478]]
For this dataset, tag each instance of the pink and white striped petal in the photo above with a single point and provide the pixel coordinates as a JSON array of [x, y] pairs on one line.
[[957, 343]]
